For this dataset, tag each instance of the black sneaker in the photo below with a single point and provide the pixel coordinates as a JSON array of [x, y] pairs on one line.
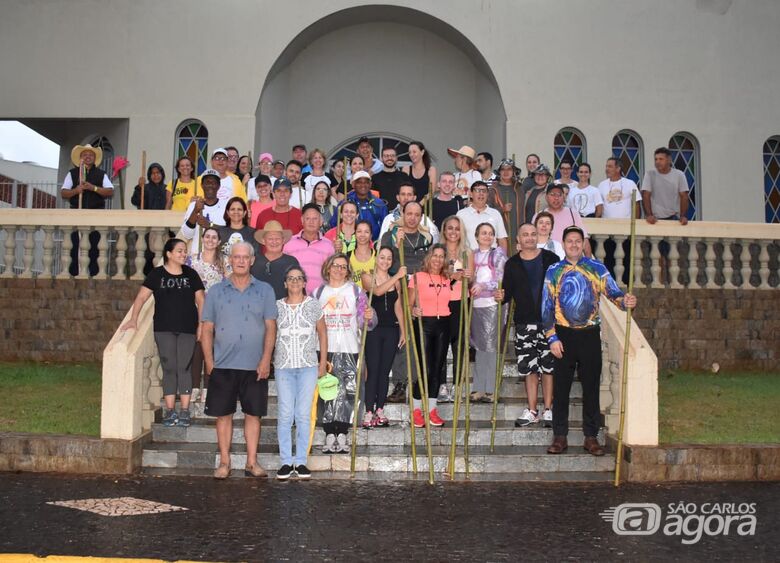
[[184, 419], [398, 395], [285, 472], [303, 472]]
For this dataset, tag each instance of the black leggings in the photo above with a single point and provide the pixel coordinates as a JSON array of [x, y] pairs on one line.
[[381, 346], [436, 336], [452, 343]]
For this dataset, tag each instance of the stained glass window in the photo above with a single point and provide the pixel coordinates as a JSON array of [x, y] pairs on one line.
[[628, 148], [772, 179], [685, 157], [569, 144], [192, 140], [378, 141]]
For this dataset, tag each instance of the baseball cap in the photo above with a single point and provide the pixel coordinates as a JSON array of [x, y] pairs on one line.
[[282, 183], [361, 174], [219, 151]]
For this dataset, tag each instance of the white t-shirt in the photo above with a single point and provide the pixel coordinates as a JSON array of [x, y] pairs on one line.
[[298, 193], [213, 213], [665, 190], [617, 197], [463, 181], [584, 199], [395, 214], [472, 218], [312, 180], [339, 307]]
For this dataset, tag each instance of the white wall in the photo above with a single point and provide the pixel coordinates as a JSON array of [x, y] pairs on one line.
[[599, 65]]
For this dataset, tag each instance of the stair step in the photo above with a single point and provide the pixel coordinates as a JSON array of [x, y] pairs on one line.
[[203, 431], [505, 459], [508, 409]]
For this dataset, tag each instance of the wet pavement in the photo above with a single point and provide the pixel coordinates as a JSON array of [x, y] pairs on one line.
[[381, 520]]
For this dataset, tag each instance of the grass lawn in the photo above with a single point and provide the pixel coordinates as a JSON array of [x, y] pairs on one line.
[[724, 408], [50, 398]]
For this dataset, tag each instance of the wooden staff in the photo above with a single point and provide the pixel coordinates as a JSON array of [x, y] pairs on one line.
[[457, 379], [465, 378], [338, 207], [498, 371], [500, 366], [82, 178], [358, 374], [409, 326], [143, 172], [624, 386]]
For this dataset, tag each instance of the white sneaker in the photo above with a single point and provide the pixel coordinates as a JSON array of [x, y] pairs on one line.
[[203, 395], [528, 417], [547, 418], [341, 444], [195, 394], [330, 444], [444, 394]]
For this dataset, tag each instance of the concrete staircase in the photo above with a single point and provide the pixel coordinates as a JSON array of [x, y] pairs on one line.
[[520, 453]]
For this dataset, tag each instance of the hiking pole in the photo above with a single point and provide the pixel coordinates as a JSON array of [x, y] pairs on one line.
[[500, 371], [358, 375], [143, 171], [338, 210], [624, 384], [409, 337], [422, 385], [457, 380], [414, 350], [466, 375]]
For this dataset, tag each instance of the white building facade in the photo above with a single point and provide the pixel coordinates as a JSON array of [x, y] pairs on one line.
[[579, 78]]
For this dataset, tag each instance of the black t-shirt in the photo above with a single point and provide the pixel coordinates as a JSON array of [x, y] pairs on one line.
[[443, 209], [174, 299], [386, 183], [273, 272], [228, 236], [535, 272]]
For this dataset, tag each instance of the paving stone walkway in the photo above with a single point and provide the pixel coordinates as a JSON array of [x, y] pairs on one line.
[[371, 519]]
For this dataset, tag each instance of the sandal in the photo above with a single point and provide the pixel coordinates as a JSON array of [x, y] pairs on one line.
[[222, 472]]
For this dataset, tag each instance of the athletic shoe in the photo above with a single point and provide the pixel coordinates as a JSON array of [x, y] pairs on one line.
[[342, 445], [203, 396], [528, 417], [330, 444], [368, 419], [285, 472], [195, 394], [435, 419], [302, 472], [184, 418], [170, 418], [398, 395], [488, 398], [380, 419], [547, 418], [418, 419], [444, 394]]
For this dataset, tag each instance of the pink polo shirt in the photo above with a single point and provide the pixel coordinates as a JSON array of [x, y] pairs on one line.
[[311, 256], [564, 217]]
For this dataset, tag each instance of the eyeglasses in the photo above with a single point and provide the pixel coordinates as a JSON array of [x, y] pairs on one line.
[[295, 278], [233, 158], [219, 158], [339, 266], [479, 190], [241, 258]]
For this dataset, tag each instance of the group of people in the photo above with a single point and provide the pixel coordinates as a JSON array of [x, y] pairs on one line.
[[282, 272]]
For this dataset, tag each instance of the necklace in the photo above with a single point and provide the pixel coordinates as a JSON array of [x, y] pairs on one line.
[[437, 288]]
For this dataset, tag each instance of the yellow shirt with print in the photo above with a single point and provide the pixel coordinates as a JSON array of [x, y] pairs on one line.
[[181, 197], [239, 190]]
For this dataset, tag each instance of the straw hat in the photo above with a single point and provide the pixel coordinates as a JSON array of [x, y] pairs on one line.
[[465, 150], [272, 227], [75, 154]]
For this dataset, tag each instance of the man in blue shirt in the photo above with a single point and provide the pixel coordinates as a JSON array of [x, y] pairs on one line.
[[570, 316], [370, 208], [238, 336]]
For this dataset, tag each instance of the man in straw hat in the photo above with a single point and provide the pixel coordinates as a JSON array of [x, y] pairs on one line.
[[465, 175], [272, 266], [86, 185]]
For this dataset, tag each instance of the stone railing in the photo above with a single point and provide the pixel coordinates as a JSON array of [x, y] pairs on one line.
[[641, 425], [705, 255], [120, 244]]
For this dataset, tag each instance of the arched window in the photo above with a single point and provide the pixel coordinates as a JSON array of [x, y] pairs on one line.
[[628, 148], [569, 144], [108, 152], [685, 157], [379, 141], [192, 140], [772, 179]]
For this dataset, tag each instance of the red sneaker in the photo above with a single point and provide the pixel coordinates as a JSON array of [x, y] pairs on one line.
[[418, 419], [436, 420]]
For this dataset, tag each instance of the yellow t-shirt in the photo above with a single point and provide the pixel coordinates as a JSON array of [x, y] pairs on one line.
[[184, 193], [359, 268]]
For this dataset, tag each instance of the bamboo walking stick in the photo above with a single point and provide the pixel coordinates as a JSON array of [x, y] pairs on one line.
[[498, 373], [82, 178], [413, 350], [422, 385], [500, 370], [143, 172], [457, 379], [409, 336], [358, 376], [466, 375], [624, 385]]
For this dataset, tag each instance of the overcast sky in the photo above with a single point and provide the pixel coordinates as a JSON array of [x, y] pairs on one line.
[[19, 142]]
